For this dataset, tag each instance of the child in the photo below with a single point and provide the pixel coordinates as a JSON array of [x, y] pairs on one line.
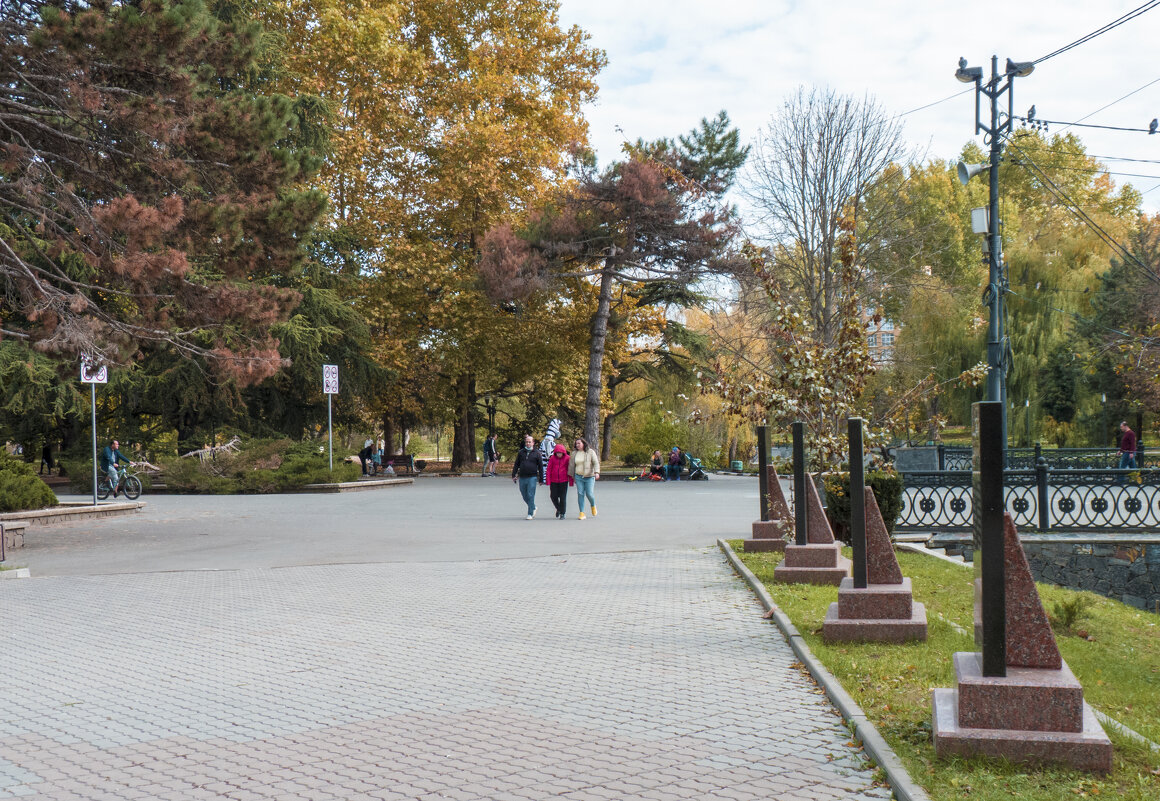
[[558, 478]]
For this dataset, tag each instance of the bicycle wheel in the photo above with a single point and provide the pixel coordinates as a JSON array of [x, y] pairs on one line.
[[103, 488], [132, 487]]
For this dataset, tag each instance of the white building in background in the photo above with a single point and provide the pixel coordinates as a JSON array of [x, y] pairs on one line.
[[880, 340]]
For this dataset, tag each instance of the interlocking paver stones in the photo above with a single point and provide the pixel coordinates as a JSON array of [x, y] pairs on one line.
[[628, 675]]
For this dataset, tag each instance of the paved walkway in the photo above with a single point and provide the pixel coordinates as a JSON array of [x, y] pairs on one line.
[[601, 676]]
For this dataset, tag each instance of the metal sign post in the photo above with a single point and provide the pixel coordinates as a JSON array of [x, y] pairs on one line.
[[330, 387], [92, 376]]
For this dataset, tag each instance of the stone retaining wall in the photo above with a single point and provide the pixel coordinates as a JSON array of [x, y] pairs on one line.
[[1125, 569]]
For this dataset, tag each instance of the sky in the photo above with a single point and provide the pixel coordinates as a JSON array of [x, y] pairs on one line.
[[673, 62]]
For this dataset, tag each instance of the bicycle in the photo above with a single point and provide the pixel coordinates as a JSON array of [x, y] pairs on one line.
[[128, 484]]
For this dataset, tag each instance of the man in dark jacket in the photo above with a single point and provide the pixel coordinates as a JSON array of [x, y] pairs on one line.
[[1127, 447], [527, 471], [110, 456]]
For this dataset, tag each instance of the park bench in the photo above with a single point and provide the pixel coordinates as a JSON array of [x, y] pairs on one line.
[[407, 460]]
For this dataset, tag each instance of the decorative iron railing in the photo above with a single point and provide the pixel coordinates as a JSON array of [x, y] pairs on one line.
[[951, 457], [1042, 499]]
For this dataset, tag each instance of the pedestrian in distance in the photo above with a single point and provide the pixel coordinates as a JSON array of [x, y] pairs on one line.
[[364, 455], [110, 456], [1127, 447], [46, 458], [490, 456], [584, 469], [1127, 450], [528, 472], [558, 479]]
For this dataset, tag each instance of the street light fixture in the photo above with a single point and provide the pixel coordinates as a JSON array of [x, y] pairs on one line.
[[1104, 407], [998, 345]]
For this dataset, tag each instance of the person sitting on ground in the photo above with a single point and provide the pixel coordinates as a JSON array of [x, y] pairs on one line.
[[658, 465], [110, 456], [675, 464]]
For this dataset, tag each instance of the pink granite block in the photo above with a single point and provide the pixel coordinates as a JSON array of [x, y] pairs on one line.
[[838, 629], [763, 546], [818, 530], [881, 563], [875, 601], [772, 529], [1088, 749], [1026, 699], [778, 508], [832, 576], [1030, 640], [812, 555]]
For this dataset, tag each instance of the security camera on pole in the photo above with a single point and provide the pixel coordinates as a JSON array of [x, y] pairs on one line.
[[998, 345]]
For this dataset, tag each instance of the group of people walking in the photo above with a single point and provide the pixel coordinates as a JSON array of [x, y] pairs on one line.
[[559, 471]]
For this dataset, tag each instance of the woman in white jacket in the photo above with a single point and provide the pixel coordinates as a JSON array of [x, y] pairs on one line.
[[584, 468]]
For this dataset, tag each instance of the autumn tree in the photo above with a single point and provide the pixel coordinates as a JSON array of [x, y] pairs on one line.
[[643, 231], [449, 117], [811, 171], [143, 199]]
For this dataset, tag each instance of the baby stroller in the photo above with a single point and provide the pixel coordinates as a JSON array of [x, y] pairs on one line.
[[696, 472]]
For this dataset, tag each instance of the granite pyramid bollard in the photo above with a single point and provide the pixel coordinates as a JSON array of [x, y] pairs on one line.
[[1036, 712], [771, 534], [819, 560], [884, 610]]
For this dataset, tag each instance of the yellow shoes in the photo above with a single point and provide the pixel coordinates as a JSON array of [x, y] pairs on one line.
[[582, 515], [594, 511]]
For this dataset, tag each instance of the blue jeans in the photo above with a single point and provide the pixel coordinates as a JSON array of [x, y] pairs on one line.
[[1127, 461], [528, 492], [584, 489], [674, 472]]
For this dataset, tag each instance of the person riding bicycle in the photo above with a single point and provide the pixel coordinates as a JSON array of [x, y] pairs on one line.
[[110, 456]]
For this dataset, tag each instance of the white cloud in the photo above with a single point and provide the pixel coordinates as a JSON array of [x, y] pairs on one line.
[[672, 63]]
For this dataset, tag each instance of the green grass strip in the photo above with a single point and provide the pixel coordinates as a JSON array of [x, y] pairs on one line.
[[1113, 649]]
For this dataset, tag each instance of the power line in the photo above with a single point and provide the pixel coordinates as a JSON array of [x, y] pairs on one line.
[[1092, 170], [1114, 102], [1037, 121], [1075, 209], [935, 103], [1102, 30]]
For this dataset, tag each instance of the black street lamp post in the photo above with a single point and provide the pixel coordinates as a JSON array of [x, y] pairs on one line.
[[998, 345]]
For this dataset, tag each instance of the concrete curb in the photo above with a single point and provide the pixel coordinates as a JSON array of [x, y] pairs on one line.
[[72, 511], [354, 486], [903, 787]]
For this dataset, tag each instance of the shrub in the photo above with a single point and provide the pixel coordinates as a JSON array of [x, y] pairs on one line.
[[258, 467], [1067, 613], [21, 489], [887, 487]]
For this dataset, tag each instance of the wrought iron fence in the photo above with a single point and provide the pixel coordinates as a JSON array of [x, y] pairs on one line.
[[1042, 499], [953, 457]]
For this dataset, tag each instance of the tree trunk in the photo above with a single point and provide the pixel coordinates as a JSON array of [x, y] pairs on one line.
[[388, 435], [596, 357], [463, 444], [732, 449], [932, 422]]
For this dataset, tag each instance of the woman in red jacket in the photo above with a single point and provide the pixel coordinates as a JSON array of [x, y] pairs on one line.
[[558, 479]]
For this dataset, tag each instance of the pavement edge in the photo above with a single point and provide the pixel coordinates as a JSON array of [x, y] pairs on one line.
[[902, 786]]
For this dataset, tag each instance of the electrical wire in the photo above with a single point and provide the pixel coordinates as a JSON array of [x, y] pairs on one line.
[[1102, 30], [1095, 170], [935, 103], [1038, 121], [1079, 213], [1109, 105]]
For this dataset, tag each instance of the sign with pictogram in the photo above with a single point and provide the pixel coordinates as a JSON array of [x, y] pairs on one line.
[[91, 374], [330, 379]]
